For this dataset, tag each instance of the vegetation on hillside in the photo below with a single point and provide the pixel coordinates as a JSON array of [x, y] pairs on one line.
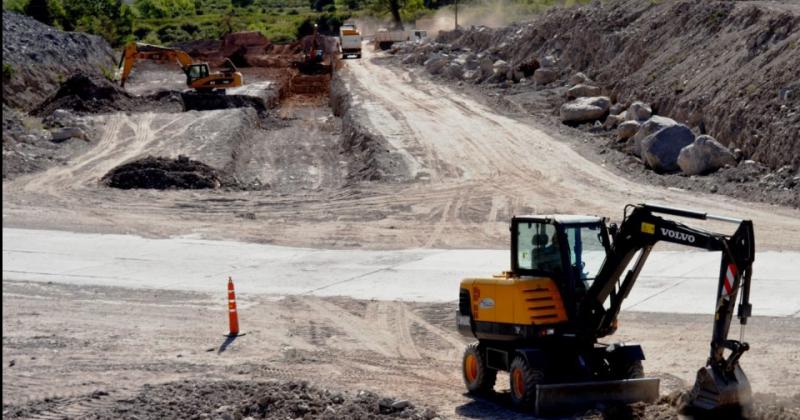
[[171, 21]]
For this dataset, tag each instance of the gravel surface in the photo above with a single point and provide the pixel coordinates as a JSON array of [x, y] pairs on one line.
[[42, 57]]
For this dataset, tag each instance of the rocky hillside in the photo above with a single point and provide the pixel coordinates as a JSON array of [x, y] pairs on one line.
[[37, 57], [730, 69]]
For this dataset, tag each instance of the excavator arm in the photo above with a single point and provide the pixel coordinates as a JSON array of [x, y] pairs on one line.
[[135, 51], [721, 382]]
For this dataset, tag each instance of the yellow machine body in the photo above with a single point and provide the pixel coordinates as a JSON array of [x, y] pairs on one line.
[[515, 300]]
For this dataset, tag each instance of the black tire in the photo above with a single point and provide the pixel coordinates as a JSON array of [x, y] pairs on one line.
[[479, 381], [523, 379], [631, 370]]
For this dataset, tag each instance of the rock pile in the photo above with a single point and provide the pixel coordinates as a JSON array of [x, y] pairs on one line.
[[91, 94], [626, 48], [41, 56]]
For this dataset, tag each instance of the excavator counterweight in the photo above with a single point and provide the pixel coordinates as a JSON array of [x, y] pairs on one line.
[[542, 320]]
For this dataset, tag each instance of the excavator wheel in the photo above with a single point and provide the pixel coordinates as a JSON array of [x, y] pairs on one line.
[[478, 377], [523, 381], [631, 369]]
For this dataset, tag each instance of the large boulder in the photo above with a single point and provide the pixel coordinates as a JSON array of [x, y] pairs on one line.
[[649, 127], [627, 129], [612, 121], [61, 134], [500, 67], [454, 71], [704, 155], [543, 76], [486, 67], [585, 109], [582, 90], [436, 64], [638, 111], [660, 150], [578, 78]]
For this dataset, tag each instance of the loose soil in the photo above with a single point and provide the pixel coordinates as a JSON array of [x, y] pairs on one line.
[[83, 351], [163, 173], [239, 399]]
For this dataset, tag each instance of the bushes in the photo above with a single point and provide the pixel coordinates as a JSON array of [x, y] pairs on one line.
[[8, 72]]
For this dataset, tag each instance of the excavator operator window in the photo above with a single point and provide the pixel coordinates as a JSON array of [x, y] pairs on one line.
[[586, 251], [197, 71], [537, 248]]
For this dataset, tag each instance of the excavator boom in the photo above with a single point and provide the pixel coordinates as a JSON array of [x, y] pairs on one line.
[[721, 382]]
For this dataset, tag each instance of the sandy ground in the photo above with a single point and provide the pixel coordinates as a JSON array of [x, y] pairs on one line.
[[65, 342], [471, 168]]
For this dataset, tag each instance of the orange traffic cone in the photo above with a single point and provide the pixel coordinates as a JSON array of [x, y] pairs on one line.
[[233, 316]]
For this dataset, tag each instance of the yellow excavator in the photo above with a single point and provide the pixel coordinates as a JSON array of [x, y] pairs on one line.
[[542, 321], [198, 75]]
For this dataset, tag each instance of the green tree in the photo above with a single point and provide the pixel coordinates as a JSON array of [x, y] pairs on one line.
[[39, 10], [160, 9]]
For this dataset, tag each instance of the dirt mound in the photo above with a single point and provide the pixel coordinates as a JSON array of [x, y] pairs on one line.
[[239, 399], [163, 173], [86, 93], [41, 56], [727, 69], [95, 95]]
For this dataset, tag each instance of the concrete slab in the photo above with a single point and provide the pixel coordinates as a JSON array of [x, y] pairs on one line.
[[677, 282]]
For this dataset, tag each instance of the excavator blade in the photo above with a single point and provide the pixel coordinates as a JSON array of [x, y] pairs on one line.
[[714, 390], [556, 398]]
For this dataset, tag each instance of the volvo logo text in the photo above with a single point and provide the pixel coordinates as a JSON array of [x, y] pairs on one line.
[[681, 236]]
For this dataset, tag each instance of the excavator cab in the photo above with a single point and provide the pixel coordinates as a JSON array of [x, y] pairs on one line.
[[196, 72], [567, 249]]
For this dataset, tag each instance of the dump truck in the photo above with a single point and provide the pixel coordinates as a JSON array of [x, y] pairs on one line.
[[198, 75], [384, 39], [350, 40], [542, 321]]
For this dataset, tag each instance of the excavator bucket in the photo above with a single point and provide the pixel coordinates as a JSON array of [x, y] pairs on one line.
[[554, 399], [714, 390]]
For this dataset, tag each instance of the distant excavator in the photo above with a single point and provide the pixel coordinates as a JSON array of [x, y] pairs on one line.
[[198, 75]]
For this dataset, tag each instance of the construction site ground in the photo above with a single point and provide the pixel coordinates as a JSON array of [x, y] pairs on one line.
[[459, 170]]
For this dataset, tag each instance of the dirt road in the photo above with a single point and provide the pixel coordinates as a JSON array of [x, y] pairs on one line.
[[469, 169], [66, 343]]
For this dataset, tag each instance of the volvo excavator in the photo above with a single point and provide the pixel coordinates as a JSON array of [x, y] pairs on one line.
[[198, 75], [542, 320]]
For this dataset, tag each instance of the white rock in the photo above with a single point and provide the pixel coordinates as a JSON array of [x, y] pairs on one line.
[[578, 78], [704, 155], [627, 129], [579, 91], [543, 76], [500, 67], [585, 109], [638, 111]]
